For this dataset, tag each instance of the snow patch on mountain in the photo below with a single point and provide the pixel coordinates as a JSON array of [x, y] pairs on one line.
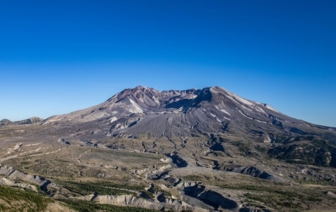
[[217, 119], [260, 110], [261, 121], [222, 110], [244, 101], [244, 114], [113, 119], [271, 108], [156, 100], [247, 108], [136, 108]]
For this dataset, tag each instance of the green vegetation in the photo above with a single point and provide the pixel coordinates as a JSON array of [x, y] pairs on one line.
[[127, 154], [193, 178], [108, 188], [17, 200], [86, 206], [305, 150], [207, 179], [34, 153], [25, 163], [273, 201], [61, 160], [101, 188], [261, 149], [242, 147], [277, 196], [315, 181], [166, 193]]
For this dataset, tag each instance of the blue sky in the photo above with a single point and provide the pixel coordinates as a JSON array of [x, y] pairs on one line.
[[61, 56]]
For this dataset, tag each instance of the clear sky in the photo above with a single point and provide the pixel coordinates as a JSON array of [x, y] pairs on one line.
[[61, 56]]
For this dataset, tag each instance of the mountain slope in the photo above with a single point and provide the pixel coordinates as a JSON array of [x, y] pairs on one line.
[[183, 113], [212, 114]]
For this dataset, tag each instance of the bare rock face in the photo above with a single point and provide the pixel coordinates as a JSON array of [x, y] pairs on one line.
[[129, 200], [254, 172], [13, 174], [210, 197], [8, 182]]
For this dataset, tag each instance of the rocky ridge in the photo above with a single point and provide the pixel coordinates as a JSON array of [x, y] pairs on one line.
[[32, 120]]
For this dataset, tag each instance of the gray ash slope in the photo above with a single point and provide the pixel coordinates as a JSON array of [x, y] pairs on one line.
[[211, 112], [173, 113]]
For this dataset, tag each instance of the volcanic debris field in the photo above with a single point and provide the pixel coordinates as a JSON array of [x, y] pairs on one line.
[[146, 150]]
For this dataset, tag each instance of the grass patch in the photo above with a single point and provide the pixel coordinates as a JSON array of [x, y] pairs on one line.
[[28, 201], [25, 163], [34, 153], [99, 188], [166, 193], [242, 147], [315, 182], [193, 178], [86, 206], [127, 154], [61, 160], [278, 196], [275, 201]]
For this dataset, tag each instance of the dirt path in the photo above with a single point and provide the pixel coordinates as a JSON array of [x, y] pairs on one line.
[[8, 158]]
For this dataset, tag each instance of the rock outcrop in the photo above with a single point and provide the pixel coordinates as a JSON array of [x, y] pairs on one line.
[[254, 172], [13, 174], [129, 200]]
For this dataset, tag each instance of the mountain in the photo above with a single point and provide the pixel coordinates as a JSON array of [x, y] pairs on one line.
[[32, 120], [173, 113], [209, 112]]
